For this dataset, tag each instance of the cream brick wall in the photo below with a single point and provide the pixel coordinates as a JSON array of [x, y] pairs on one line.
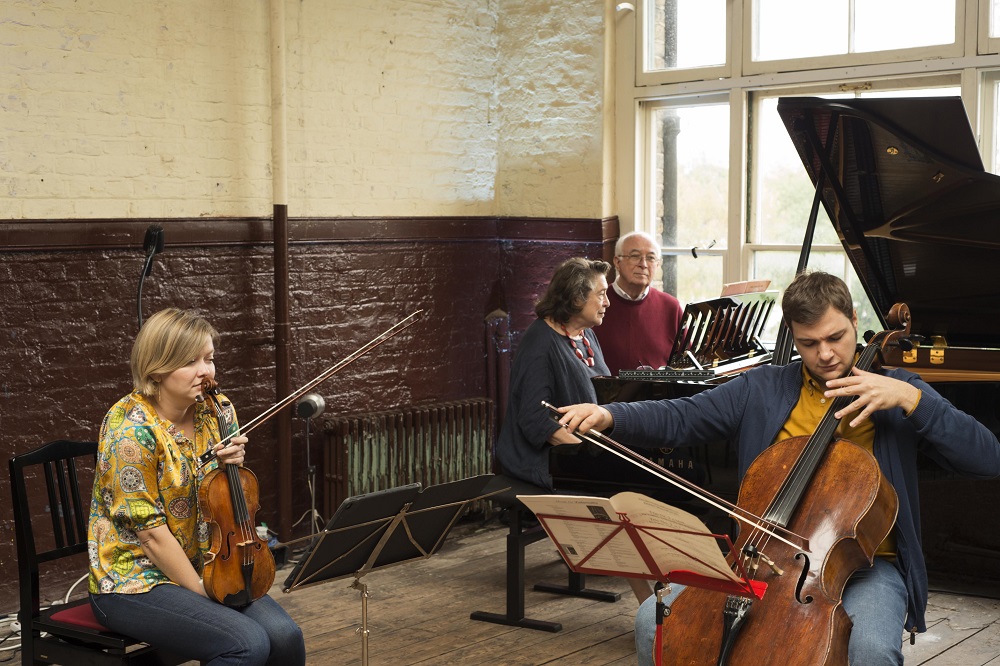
[[128, 108], [550, 90]]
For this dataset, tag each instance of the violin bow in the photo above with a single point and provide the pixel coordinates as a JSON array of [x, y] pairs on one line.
[[627, 454], [389, 333]]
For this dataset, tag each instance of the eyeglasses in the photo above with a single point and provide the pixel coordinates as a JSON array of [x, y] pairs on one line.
[[635, 258]]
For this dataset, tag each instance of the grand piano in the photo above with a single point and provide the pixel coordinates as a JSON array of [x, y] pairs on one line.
[[919, 217]]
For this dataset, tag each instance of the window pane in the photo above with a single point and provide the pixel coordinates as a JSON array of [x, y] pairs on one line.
[[779, 268], [786, 29], [784, 191], [691, 175], [995, 18], [913, 23], [691, 279], [686, 33], [799, 28]]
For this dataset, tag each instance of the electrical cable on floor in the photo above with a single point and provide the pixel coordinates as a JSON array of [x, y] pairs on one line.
[[73, 586], [10, 620]]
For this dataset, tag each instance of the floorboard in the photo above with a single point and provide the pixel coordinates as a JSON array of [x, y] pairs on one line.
[[418, 613]]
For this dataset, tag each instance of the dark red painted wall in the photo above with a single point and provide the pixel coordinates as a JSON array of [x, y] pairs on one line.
[[68, 317]]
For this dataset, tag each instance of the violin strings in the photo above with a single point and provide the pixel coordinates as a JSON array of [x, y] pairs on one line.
[[389, 333], [240, 508]]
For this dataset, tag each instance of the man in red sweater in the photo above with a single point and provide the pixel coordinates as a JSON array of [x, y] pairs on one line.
[[640, 326]]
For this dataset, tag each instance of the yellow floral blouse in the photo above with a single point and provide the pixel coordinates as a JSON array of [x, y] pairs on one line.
[[146, 477]]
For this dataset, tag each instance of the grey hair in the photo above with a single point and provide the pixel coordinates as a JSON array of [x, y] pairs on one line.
[[621, 241]]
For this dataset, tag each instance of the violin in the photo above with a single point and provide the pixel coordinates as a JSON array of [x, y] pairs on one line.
[[240, 567]]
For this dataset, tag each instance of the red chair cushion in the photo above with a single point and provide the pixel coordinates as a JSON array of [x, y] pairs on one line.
[[81, 615]]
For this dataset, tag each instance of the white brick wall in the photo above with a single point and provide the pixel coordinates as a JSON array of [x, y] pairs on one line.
[[136, 108], [550, 83]]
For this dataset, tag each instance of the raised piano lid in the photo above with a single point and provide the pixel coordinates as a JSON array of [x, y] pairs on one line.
[[904, 185]]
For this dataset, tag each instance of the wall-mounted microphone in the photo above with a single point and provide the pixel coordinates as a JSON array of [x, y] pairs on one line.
[[153, 245]]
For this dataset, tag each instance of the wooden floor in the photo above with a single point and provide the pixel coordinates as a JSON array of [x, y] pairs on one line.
[[418, 613]]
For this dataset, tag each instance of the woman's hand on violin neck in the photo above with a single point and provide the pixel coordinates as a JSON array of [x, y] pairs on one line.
[[874, 392], [585, 417], [233, 452]]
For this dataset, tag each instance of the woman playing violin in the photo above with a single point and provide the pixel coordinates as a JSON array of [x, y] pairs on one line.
[[893, 415], [147, 539]]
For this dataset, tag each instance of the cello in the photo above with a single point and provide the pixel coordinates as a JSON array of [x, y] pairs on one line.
[[826, 489]]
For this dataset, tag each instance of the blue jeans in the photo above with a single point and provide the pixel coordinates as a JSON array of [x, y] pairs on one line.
[[875, 600], [188, 624]]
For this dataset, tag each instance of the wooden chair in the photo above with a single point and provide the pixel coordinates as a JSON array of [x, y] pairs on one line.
[[67, 633]]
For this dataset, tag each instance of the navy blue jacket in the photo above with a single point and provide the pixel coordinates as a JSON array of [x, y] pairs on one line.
[[545, 368], [752, 408]]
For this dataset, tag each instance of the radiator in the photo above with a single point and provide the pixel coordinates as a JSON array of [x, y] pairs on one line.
[[429, 444]]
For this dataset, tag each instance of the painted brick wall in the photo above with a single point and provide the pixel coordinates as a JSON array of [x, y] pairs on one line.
[[550, 100], [68, 320], [112, 108]]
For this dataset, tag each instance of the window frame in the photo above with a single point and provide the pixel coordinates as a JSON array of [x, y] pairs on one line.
[[750, 66], [636, 90]]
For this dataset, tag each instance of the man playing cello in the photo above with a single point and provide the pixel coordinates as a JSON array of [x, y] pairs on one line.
[[894, 414]]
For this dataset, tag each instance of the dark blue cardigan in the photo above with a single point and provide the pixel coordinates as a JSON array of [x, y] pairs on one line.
[[752, 408]]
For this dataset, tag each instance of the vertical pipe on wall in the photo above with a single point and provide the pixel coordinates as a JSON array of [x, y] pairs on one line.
[[279, 186]]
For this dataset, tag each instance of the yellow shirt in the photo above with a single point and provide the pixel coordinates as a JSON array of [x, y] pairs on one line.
[[146, 477], [805, 418]]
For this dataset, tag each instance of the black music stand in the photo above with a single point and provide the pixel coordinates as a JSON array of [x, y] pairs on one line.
[[380, 529]]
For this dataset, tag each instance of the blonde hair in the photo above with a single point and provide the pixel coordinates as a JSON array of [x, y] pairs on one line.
[[166, 342]]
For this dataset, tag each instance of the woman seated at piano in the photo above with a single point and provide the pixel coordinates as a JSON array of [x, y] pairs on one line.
[[555, 361]]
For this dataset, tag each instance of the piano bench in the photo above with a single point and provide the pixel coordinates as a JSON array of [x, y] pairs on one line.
[[521, 532]]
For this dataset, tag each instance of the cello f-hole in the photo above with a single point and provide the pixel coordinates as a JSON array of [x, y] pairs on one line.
[[807, 599]]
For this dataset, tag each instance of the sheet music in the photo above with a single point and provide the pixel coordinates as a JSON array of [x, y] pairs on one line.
[[677, 549]]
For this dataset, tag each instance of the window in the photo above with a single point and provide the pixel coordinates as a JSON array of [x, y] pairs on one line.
[[688, 197], [702, 38], [684, 34], [788, 29], [704, 162]]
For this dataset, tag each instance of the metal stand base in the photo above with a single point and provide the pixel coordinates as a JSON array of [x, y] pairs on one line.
[[363, 629]]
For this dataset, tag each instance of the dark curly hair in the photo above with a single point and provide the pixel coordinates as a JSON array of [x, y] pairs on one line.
[[569, 289], [810, 294]]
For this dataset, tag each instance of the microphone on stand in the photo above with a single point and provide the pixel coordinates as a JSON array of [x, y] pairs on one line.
[[153, 245], [309, 406]]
